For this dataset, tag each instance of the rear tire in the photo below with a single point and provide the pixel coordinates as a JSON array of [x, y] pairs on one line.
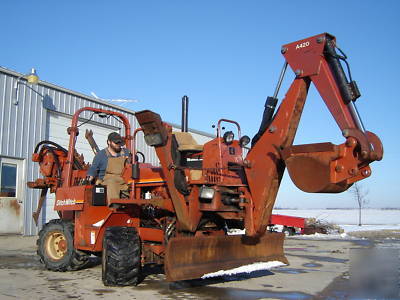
[[121, 259], [56, 247]]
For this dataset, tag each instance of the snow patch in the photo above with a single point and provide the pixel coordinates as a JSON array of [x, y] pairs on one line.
[[321, 236], [246, 269], [341, 217], [352, 228], [235, 231]]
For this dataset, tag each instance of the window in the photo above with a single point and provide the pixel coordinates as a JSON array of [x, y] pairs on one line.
[[8, 177]]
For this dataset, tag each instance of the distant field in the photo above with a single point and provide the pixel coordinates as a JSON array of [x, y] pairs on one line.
[[347, 216]]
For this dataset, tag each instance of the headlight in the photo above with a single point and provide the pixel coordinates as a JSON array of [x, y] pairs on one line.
[[206, 192], [228, 137], [244, 140]]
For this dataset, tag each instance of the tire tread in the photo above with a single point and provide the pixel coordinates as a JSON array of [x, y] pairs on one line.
[[122, 256], [75, 259]]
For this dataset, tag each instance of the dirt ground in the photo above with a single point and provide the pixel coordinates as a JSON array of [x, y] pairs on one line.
[[318, 269]]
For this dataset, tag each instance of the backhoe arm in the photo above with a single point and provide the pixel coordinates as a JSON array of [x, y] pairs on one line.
[[322, 167]]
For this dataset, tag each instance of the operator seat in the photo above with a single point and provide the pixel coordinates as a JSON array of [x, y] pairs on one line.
[[184, 145], [186, 142]]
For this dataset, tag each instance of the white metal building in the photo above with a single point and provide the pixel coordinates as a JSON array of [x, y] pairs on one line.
[[33, 113]]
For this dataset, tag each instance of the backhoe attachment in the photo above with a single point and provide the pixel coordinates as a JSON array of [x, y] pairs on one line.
[[323, 167], [328, 168]]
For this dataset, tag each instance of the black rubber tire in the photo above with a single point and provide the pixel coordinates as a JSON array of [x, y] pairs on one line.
[[121, 259], [288, 231], [55, 247]]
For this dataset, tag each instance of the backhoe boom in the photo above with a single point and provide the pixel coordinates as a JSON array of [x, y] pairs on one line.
[[315, 167]]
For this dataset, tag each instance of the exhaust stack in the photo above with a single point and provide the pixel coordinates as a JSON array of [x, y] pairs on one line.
[[185, 112]]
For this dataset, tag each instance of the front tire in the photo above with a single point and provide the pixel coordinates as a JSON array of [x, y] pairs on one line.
[[121, 259], [56, 247]]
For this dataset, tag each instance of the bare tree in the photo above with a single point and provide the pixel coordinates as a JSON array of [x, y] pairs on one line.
[[360, 195]]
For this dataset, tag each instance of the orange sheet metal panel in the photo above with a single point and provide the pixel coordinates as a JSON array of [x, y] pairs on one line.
[[72, 198]]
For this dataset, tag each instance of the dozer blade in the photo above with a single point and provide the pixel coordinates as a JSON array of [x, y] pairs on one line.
[[192, 257]]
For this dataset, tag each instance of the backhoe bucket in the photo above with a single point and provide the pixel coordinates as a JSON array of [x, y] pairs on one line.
[[310, 169], [192, 257]]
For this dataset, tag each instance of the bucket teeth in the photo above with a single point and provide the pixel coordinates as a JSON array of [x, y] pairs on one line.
[[192, 257]]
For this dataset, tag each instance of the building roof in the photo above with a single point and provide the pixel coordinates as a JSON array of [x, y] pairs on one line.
[[121, 108]]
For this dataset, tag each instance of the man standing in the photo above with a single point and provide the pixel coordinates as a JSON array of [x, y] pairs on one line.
[[108, 165]]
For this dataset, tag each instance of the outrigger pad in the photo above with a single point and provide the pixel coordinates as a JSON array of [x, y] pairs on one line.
[[154, 131], [192, 257]]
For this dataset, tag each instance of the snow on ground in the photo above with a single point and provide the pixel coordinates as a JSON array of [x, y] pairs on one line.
[[348, 229], [369, 216], [235, 231], [246, 269], [321, 236], [352, 228], [371, 219]]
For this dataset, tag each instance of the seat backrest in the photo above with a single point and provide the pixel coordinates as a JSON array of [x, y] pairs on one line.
[[186, 142]]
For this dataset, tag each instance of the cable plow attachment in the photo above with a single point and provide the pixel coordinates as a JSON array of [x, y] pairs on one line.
[[193, 257]]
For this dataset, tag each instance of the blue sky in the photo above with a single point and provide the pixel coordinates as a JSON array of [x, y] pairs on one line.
[[225, 55]]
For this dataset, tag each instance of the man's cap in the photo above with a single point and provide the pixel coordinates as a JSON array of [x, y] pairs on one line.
[[115, 137]]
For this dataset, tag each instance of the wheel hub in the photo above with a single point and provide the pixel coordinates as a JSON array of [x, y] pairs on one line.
[[56, 245]]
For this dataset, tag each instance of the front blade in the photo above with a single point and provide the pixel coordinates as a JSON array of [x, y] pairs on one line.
[[192, 257]]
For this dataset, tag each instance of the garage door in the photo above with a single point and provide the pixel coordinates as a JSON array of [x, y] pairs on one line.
[[58, 125]]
